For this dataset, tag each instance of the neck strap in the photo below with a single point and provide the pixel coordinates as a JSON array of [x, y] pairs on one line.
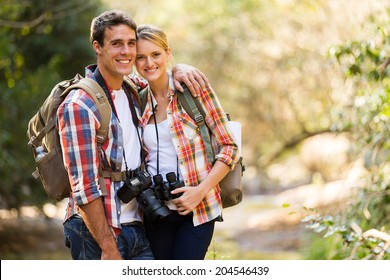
[[158, 144]]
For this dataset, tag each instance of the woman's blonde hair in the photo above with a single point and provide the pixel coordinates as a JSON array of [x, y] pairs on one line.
[[153, 34]]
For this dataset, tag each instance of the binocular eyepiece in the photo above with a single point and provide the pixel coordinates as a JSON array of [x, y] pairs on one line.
[[163, 189]]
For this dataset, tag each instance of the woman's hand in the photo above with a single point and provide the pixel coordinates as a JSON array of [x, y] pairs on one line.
[[190, 198]]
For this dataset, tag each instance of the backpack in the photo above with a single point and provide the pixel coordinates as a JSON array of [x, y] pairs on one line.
[[231, 185], [43, 135]]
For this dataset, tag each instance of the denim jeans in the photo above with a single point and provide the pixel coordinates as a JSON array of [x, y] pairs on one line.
[[132, 242], [176, 238]]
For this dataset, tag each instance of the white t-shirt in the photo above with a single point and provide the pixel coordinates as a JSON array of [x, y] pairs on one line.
[[132, 147], [167, 154]]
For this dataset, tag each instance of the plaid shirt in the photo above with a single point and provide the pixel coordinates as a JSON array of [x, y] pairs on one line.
[[78, 122], [190, 148]]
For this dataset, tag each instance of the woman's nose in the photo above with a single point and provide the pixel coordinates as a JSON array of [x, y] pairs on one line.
[[149, 60]]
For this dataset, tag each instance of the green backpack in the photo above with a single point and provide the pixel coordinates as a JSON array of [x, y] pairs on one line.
[[44, 138]]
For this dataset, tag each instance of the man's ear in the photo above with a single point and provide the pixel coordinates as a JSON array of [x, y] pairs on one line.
[[96, 47]]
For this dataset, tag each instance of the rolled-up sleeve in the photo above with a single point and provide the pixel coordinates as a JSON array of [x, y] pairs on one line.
[[226, 148], [77, 125]]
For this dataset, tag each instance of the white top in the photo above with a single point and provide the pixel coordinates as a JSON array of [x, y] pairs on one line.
[[129, 211], [167, 154]]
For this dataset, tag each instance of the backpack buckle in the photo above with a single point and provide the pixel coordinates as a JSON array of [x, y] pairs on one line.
[[199, 119]]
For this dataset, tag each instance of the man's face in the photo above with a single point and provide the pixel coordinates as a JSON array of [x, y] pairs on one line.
[[116, 56]]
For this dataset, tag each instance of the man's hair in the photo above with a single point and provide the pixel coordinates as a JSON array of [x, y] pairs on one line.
[[106, 20]]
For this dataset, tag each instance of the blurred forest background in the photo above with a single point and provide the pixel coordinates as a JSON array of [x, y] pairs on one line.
[[307, 79]]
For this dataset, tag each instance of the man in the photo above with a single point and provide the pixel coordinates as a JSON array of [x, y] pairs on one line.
[[98, 225]]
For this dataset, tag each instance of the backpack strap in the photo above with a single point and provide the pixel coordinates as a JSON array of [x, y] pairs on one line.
[[143, 95], [131, 91], [193, 108], [132, 86], [96, 92]]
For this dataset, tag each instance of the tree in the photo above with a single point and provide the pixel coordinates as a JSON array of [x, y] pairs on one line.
[[361, 231], [41, 43]]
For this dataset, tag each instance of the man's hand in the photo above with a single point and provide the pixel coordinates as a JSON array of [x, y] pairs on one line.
[[194, 79]]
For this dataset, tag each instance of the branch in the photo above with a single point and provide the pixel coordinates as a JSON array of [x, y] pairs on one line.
[[23, 24], [66, 12], [383, 66], [380, 235], [56, 14], [292, 143], [377, 234]]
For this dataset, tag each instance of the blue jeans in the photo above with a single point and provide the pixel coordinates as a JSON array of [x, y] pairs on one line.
[[176, 238], [132, 242]]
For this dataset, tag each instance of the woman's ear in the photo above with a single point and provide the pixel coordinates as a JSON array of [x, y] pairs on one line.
[[170, 58]]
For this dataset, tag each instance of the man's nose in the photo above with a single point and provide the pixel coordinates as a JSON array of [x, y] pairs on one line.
[[125, 49]]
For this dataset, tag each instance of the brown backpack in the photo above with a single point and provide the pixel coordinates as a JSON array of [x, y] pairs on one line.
[[42, 133]]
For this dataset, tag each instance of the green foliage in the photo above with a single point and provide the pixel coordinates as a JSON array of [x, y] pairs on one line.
[[41, 43], [364, 226], [353, 244]]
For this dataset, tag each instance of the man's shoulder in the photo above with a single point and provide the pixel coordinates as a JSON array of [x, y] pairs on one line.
[[79, 98], [137, 81], [131, 81]]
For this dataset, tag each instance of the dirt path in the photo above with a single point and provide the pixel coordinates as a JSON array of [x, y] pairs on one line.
[[250, 231]]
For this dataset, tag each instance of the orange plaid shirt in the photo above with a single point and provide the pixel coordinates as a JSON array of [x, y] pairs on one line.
[[191, 150]]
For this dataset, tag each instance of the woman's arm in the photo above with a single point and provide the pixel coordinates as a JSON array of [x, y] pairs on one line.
[[226, 156]]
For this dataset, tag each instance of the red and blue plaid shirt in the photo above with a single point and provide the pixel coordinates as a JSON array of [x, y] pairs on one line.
[[78, 122], [190, 147]]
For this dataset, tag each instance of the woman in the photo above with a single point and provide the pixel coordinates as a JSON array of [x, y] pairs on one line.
[[174, 144]]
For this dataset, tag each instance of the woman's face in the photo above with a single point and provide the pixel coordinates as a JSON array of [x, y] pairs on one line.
[[151, 60]]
